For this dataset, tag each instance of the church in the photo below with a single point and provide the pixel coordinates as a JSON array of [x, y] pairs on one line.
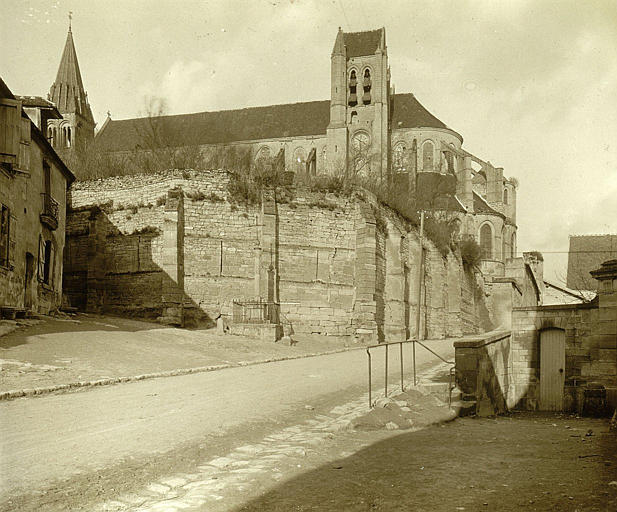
[[365, 128]]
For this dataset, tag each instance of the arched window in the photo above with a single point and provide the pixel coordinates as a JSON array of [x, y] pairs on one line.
[[299, 163], [354, 117], [361, 152], [398, 157], [513, 246], [428, 151], [68, 136], [505, 196], [353, 83], [366, 84], [486, 241], [50, 135]]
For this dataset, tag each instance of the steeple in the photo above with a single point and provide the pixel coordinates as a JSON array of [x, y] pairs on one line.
[[67, 92]]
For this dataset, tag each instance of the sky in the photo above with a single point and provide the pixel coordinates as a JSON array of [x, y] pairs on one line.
[[530, 85]]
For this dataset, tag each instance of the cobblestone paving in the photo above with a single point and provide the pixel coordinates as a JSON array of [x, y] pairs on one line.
[[233, 474]]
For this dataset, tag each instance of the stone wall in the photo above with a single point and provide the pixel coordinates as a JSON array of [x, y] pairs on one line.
[[508, 375], [337, 265], [484, 372]]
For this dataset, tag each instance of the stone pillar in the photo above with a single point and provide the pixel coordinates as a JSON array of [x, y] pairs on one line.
[[364, 314], [604, 332], [395, 328], [95, 265], [267, 287], [172, 292]]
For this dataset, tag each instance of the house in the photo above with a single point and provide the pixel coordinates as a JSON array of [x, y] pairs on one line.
[[33, 191]]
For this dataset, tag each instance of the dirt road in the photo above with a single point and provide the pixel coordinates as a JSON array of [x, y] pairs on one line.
[[52, 438]]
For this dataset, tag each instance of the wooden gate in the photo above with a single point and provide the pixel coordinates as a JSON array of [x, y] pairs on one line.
[[552, 369]]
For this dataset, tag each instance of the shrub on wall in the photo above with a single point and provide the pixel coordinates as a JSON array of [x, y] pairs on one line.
[[471, 252]]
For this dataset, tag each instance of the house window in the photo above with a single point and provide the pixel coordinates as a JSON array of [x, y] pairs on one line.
[[5, 218], [46, 261], [486, 242]]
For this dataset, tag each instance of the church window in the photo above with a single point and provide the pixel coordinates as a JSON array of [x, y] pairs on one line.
[[68, 136], [299, 161], [361, 148], [366, 85], [354, 117], [505, 196], [427, 156], [449, 157], [50, 135], [311, 162], [486, 241], [398, 160], [353, 83]]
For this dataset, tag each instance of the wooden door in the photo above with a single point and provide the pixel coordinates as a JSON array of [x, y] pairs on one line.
[[552, 369]]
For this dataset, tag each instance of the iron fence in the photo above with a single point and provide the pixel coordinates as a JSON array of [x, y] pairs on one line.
[[255, 312]]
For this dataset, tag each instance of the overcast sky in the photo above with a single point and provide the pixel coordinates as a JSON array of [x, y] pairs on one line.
[[531, 85]]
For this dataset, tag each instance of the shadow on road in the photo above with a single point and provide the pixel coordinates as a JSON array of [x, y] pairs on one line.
[[525, 461]]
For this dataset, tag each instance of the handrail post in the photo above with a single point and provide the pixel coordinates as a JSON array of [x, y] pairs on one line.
[[386, 391], [413, 345], [370, 401], [402, 385]]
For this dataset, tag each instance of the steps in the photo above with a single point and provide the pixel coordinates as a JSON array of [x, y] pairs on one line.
[[464, 405]]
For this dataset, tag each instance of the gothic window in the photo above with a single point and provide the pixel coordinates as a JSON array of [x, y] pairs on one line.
[[50, 135], [299, 161], [505, 196], [428, 151], [353, 84], [366, 85], [398, 160], [263, 155], [486, 241], [360, 152]]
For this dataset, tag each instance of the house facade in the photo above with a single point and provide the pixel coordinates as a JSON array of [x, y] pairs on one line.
[[33, 191]]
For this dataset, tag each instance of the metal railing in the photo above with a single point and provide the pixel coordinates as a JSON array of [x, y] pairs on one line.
[[413, 341], [255, 312], [50, 209]]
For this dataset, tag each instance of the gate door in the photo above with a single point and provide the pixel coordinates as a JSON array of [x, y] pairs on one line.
[[552, 369]]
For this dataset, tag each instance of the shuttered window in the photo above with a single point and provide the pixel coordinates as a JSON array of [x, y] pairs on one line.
[[10, 130]]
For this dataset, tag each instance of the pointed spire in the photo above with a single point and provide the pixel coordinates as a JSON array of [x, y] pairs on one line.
[[339, 44], [67, 92]]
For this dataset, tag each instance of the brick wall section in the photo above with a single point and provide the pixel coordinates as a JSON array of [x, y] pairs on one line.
[[338, 270]]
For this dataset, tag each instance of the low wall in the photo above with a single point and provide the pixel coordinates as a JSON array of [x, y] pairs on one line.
[[484, 372]]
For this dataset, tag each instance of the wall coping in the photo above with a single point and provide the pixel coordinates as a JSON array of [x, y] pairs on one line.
[[481, 340], [559, 307]]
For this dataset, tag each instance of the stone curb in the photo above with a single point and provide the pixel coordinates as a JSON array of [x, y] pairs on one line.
[[22, 393]]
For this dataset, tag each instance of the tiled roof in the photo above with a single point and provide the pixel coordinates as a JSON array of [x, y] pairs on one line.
[[358, 44], [256, 123], [481, 206], [67, 92], [35, 101]]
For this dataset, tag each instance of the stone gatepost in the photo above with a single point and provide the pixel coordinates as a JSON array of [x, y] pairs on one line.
[[604, 332], [172, 288], [95, 277]]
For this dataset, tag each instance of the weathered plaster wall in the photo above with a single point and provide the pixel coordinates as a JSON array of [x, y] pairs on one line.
[[22, 194]]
